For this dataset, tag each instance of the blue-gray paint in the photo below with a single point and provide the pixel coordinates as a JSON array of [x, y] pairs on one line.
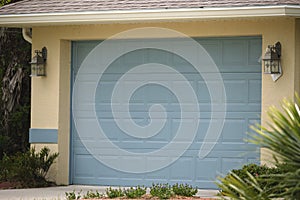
[[237, 60], [37, 135]]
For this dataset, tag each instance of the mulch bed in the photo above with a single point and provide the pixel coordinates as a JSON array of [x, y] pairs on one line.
[[10, 185], [151, 198], [18, 185]]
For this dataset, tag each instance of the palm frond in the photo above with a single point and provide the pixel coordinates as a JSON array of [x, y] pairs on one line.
[[282, 137]]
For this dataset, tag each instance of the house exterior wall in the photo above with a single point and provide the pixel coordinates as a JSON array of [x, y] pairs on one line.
[[51, 94], [297, 56]]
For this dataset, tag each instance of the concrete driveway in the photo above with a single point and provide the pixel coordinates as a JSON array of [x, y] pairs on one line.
[[58, 193]]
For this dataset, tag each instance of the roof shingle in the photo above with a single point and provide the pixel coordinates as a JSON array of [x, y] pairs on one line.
[[63, 6]]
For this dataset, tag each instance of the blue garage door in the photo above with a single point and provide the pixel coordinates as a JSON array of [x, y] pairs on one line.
[[95, 159]]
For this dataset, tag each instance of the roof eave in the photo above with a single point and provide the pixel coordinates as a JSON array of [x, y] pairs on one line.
[[73, 18]]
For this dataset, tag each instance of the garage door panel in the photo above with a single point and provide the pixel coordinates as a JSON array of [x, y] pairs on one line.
[[131, 179], [236, 91], [254, 91], [85, 170], [233, 131], [214, 48], [229, 163], [158, 176], [85, 180], [206, 168], [86, 97], [234, 149], [86, 123], [237, 60], [81, 51], [236, 104], [253, 53], [234, 54], [184, 170], [105, 173], [243, 83]]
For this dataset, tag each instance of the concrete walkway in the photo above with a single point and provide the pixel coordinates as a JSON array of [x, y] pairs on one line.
[[58, 193]]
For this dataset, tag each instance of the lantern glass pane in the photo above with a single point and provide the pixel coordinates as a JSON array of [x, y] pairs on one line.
[[267, 66], [33, 69], [275, 67], [40, 70]]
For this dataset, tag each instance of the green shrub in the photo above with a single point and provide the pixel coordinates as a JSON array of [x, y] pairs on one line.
[[236, 188], [259, 172], [133, 193], [162, 191], [283, 138], [72, 195], [184, 190], [89, 195], [114, 193], [92, 195], [29, 168], [253, 169], [5, 143], [5, 164]]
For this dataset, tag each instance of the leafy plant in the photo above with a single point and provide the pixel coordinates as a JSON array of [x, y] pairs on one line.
[[4, 2], [5, 143], [261, 172], [162, 191], [184, 190], [238, 188], [72, 195], [284, 132], [137, 192], [114, 193], [92, 195], [244, 178], [289, 184], [283, 138], [29, 168]]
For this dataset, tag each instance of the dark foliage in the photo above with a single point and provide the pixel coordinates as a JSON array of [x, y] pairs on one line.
[[15, 90], [29, 168], [260, 172], [4, 2]]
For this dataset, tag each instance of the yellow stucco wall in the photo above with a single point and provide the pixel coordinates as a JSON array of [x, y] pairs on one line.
[[51, 94], [297, 56]]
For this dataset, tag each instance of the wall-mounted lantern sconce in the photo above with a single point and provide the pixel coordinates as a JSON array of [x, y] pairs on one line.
[[38, 63], [271, 61]]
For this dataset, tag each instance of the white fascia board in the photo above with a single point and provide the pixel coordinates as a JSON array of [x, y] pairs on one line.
[[73, 18], [293, 11]]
